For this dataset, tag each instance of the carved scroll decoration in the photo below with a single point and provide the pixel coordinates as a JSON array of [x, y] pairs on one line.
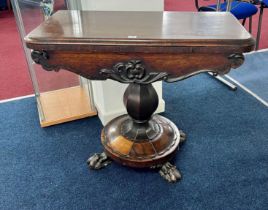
[[132, 72], [41, 57], [235, 60]]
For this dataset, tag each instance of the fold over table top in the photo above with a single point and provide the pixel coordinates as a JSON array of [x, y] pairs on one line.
[[182, 29], [180, 44]]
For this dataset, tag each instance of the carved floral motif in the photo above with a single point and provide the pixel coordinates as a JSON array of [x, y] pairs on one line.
[[41, 57], [236, 60], [132, 72]]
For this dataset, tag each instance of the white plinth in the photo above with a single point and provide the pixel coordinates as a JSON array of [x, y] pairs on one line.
[[108, 95], [123, 5]]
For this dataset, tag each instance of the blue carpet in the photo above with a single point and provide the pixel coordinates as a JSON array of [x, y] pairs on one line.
[[253, 74], [224, 161]]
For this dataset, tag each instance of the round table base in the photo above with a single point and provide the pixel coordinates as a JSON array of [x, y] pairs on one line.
[[121, 146]]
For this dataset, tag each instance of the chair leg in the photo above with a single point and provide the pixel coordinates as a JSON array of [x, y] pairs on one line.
[[222, 80], [197, 5], [244, 21], [250, 24], [8, 5], [259, 28]]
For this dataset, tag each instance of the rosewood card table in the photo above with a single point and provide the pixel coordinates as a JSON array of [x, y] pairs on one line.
[[140, 48]]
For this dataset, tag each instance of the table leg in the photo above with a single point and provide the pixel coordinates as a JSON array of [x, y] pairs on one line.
[[141, 139]]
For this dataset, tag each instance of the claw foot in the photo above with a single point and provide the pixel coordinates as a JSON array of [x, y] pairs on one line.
[[98, 161], [169, 172], [182, 136]]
